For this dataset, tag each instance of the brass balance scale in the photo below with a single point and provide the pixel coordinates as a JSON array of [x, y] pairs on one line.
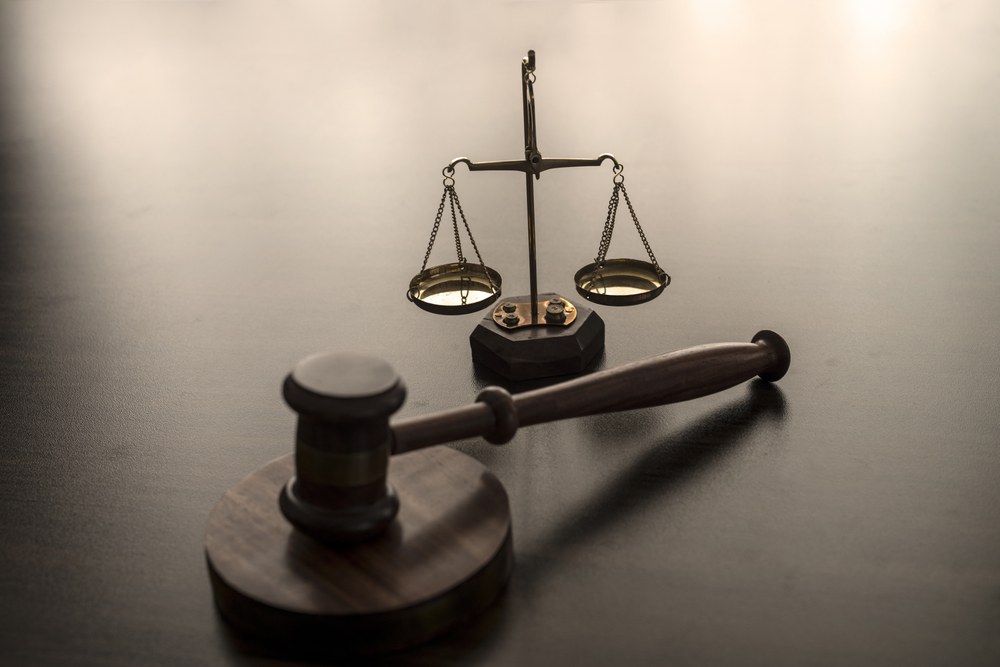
[[535, 335]]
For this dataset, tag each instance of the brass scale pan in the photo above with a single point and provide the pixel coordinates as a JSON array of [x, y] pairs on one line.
[[455, 289], [620, 282], [460, 288]]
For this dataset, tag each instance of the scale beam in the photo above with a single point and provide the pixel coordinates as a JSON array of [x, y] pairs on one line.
[[544, 164]]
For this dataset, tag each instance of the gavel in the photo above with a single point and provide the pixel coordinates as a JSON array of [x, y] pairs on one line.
[[340, 495]]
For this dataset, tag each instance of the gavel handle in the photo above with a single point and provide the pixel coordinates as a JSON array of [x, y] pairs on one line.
[[666, 378]]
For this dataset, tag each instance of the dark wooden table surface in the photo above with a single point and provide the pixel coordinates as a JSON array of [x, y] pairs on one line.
[[193, 196]]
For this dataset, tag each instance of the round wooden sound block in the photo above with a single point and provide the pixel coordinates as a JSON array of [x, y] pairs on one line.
[[445, 558]]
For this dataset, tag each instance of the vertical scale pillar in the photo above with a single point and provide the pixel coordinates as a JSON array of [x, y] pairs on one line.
[[531, 158]]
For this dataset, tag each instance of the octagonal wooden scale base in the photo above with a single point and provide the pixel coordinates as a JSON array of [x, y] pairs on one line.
[[445, 558], [527, 353]]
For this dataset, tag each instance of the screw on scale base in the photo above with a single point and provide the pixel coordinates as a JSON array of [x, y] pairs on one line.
[[555, 312]]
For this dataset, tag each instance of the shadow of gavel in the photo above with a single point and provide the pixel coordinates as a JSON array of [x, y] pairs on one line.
[[340, 493]]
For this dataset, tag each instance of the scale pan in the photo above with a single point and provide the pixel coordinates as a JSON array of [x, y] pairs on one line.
[[621, 282], [455, 289]]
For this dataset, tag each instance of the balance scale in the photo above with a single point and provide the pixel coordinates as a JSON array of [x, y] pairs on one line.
[[537, 335]]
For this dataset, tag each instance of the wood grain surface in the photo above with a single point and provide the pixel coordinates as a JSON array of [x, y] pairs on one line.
[[453, 520], [453, 523]]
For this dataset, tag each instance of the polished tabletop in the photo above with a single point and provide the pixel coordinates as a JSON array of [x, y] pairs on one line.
[[196, 195]]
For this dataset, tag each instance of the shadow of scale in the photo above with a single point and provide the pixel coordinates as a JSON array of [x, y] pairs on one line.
[[372, 537], [534, 335]]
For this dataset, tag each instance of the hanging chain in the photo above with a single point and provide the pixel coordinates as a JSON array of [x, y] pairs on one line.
[[609, 224], [609, 228], [450, 189], [437, 223], [638, 228], [452, 196]]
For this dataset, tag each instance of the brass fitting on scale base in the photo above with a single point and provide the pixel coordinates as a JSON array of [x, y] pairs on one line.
[[556, 312], [564, 339]]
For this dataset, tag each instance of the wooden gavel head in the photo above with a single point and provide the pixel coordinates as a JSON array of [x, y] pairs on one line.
[[339, 493]]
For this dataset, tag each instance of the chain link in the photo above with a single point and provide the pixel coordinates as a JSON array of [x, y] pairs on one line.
[[609, 224], [638, 228], [472, 240], [450, 189], [452, 196], [434, 231], [609, 228]]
